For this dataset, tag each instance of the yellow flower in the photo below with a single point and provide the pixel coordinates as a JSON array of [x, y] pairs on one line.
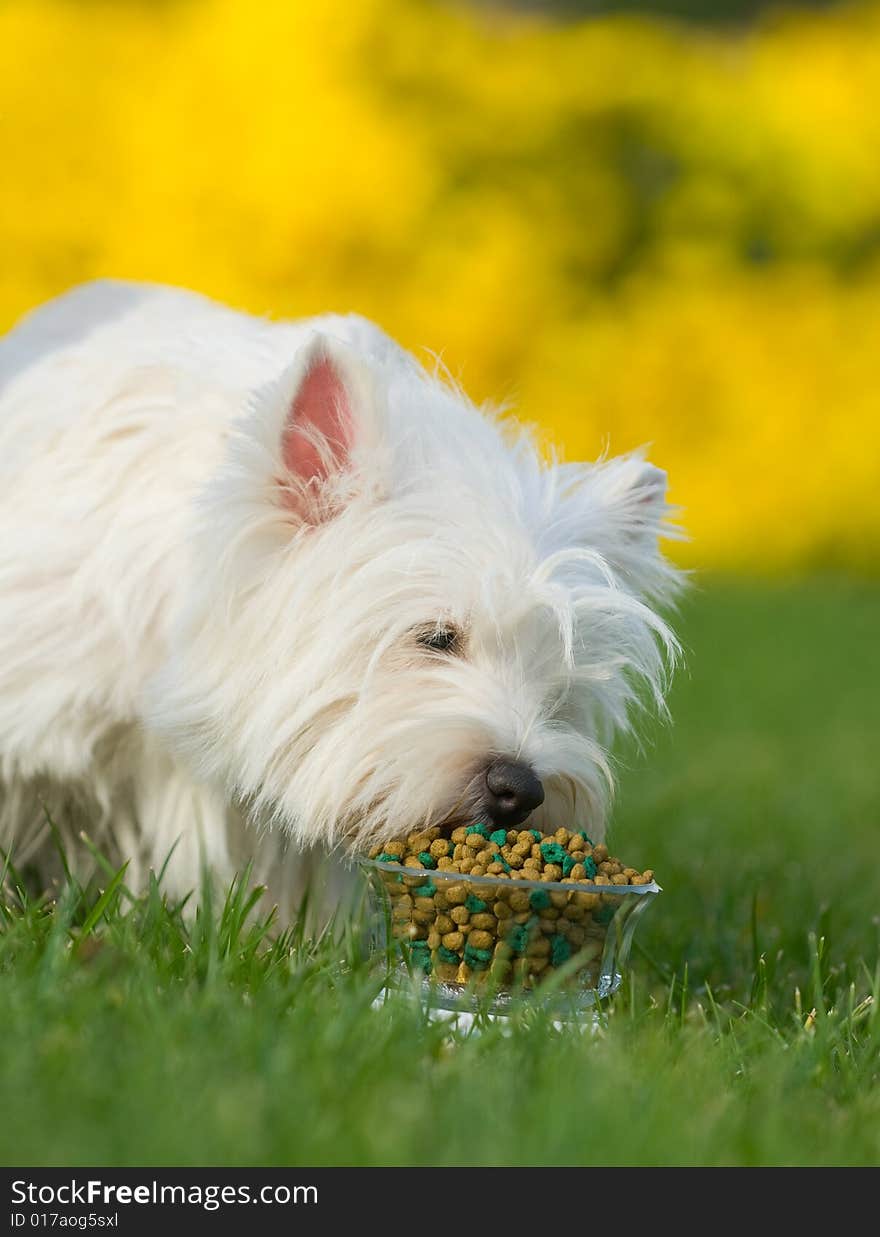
[[632, 232]]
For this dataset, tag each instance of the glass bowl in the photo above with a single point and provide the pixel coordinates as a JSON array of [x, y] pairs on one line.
[[477, 940]]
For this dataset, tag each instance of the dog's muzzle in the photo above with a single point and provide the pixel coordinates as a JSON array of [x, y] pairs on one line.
[[512, 791]]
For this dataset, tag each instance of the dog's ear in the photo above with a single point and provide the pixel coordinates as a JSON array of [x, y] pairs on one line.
[[619, 509], [330, 402]]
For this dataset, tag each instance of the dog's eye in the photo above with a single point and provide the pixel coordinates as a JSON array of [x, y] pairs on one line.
[[444, 638]]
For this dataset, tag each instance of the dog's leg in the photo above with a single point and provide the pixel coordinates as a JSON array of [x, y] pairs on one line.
[[182, 828]]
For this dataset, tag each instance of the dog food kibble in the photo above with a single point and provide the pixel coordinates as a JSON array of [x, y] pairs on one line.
[[510, 934]]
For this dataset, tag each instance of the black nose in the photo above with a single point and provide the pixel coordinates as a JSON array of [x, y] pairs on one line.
[[514, 791]]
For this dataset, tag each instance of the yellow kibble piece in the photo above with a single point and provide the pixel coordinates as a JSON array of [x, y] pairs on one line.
[[477, 869], [458, 835], [453, 940], [501, 910], [619, 879], [424, 904], [439, 847], [482, 919], [434, 940], [445, 864], [562, 836], [459, 915], [578, 873], [559, 899], [480, 940], [600, 852], [475, 842], [519, 900], [552, 872], [466, 864], [444, 923], [413, 861]]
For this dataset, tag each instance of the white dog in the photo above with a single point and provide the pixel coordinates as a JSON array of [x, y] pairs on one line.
[[266, 587]]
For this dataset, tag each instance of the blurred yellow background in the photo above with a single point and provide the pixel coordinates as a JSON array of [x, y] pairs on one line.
[[629, 230]]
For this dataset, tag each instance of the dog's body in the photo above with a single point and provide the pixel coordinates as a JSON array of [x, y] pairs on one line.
[[272, 586]]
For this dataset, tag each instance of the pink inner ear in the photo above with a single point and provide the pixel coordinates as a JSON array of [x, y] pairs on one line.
[[321, 409]]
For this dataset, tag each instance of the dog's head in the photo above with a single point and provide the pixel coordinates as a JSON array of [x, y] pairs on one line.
[[400, 614]]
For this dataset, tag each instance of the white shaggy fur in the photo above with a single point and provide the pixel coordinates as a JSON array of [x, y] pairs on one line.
[[206, 655]]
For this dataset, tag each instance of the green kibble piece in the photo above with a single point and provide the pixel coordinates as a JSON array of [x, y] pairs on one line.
[[589, 841], [386, 858], [483, 830], [605, 914], [499, 858], [567, 864], [518, 938], [478, 959], [474, 905], [590, 866], [553, 852], [420, 955], [499, 837], [449, 956], [426, 889], [427, 860], [536, 834], [539, 899], [560, 950]]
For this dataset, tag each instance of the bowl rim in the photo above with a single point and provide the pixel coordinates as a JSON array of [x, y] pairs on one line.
[[514, 882]]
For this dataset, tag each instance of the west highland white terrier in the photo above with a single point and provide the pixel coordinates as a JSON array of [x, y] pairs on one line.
[[272, 588]]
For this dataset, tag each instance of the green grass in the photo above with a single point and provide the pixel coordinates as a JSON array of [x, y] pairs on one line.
[[748, 1033]]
